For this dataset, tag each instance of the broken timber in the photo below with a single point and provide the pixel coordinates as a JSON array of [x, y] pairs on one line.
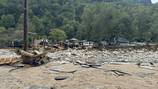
[[5, 60], [34, 59], [25, 58]]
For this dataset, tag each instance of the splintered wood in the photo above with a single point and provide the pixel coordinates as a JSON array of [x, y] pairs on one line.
[[34, 58], [9, 60], [31, 58]]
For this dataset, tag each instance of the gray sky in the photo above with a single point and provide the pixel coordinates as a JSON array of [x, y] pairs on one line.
[[154, 1]]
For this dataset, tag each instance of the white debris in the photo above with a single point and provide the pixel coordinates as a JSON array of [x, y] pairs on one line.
[[4, 52], [119, 55]]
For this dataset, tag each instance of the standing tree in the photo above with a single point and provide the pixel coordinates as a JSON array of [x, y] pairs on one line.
[[25, 24], [57, 35]]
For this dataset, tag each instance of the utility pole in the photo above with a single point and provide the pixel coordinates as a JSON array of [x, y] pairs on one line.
[[25, 32]]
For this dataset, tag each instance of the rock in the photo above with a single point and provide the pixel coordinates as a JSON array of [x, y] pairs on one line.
[[73, 54], [61, 77]]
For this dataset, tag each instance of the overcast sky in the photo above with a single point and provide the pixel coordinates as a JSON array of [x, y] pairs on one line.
[[154, 1]]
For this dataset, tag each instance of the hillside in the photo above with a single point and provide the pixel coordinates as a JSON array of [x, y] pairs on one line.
[[82, 19], [145, 2]]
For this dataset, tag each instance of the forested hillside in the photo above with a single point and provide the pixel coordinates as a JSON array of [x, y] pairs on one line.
[[94, 20]]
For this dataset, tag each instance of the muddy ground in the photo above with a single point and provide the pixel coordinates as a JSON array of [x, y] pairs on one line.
[[63, 72]]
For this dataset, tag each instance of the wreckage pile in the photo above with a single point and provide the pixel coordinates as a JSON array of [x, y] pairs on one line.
[[34, 58], [82, 57], [8, 57], [105, 56], [85, 72]]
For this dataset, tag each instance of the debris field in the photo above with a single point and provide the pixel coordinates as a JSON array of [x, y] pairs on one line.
[[85, 69]]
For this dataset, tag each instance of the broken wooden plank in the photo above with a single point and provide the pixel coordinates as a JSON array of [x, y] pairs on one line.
[[6, 60], [60, 71]]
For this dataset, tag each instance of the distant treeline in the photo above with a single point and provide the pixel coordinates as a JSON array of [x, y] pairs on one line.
[[83, 19]]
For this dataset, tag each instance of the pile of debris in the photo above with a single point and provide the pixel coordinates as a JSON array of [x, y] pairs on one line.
[[34, 58], [8, 57], [105, 56], [82, 57]]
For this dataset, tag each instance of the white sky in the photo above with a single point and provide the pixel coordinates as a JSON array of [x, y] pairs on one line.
[[154, 1]]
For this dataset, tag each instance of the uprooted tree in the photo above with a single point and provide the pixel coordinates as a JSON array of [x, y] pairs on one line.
[[34, 58]]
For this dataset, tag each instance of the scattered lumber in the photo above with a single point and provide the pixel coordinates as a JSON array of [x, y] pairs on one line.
[[139, 64], [32, 58], [88, 64], [97, 66], [120, 73], [116, 72], [5, 60], [60, 71]]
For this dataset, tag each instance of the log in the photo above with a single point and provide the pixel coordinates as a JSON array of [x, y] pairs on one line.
[[24, 53], [30, 58]]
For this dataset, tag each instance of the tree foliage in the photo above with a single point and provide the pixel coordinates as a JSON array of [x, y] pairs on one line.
[[57, 35], [84, 19]]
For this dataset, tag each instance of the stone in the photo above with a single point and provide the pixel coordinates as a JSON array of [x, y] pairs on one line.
[[61, 77]]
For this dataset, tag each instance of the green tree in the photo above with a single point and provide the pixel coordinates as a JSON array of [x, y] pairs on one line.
[[57, 35], [7, 21], [2, 29]]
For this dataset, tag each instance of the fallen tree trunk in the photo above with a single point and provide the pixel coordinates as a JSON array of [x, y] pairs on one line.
[[30, 58], [24, 53]]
